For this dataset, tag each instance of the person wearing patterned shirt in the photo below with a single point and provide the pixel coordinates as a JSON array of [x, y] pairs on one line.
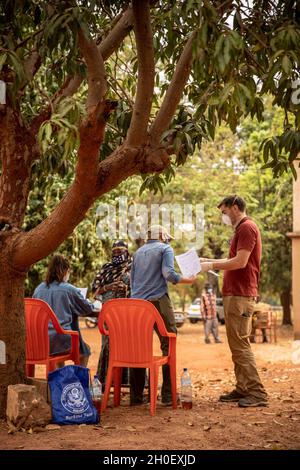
[[112, 282]]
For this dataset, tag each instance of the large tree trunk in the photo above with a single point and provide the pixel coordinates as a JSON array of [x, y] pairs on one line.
[[139, 153], [285, 299], [12, 326]]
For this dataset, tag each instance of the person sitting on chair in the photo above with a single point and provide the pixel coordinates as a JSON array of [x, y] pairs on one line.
[[68, 303]]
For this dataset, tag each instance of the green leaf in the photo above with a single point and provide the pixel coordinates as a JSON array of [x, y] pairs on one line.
[[3, 58], [286, 64], [48, 131], [219, 46]]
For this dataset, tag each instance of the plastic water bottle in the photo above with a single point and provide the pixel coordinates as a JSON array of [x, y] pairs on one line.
[[96, 392], [186, 390]]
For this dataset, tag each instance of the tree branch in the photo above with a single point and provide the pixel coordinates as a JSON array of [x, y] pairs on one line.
[[117, 35], [174, 92], [32, 246], [31, 65], [106, 48], [96, 72], [137, 133]]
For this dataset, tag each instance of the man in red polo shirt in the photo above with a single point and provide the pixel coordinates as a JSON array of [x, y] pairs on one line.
[[240, 286]]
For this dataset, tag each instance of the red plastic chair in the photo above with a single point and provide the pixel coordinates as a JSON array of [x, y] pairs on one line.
[[37, 315], [129, 324]]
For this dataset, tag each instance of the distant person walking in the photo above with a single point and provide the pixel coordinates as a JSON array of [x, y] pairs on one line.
[[241, 278], [209, 314]]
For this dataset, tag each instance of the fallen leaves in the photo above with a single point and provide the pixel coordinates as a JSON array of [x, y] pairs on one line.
[[131, 429], [283, 378], [277, 422], [53, 427]]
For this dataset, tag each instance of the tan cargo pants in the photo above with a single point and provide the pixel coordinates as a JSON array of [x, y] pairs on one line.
[[238, 312]]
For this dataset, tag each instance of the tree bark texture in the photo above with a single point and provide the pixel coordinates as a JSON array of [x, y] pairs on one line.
[[285, 299]]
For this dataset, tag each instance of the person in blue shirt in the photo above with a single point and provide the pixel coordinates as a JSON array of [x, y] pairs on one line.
[[68, 303], [152, 269]]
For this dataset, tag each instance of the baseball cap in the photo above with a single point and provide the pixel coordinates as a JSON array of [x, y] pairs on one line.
[[155, 230]]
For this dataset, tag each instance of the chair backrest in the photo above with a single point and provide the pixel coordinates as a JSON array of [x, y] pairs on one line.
[[130, 325], [264, 319], [37, 316]]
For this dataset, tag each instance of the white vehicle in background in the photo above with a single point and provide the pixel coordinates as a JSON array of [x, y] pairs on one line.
[[179, 318], [194, 311]]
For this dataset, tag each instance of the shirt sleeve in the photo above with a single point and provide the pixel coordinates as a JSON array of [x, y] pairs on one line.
[[247, 238], [97, 281], [80, 306], [132, 273], [168, 270]]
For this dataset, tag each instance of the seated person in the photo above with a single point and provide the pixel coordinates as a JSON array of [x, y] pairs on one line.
[[68, 303]]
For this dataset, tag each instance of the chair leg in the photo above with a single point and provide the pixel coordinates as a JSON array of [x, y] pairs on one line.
[[30, 369], [107, 389], [117, 375], [51, 366], [153, 389], [172, 366]]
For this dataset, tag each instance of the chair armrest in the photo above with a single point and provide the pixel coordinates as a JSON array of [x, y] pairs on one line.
[[69, 332], [74, 342], [171, 335], [102, 329], [172, 344]]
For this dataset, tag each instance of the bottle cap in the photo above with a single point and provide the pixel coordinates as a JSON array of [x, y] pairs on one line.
[[96, 376], [185, 369]]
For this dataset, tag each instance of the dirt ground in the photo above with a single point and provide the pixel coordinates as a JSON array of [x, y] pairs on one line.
[[209, 424]]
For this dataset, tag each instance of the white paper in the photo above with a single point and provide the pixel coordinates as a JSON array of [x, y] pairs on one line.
[[83, 291], [189, 263]]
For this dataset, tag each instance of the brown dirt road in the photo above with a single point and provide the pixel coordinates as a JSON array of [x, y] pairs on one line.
[[209, 424]]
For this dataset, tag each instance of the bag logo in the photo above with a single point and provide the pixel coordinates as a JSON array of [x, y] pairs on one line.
[[73, 398]]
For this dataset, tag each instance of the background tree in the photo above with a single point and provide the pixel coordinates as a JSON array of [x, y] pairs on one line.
[[58, 55]]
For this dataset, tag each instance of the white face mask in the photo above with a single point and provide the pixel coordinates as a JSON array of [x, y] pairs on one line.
[[226, 219]]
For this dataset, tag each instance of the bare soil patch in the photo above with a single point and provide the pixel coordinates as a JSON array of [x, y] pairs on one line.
[[209, 424]]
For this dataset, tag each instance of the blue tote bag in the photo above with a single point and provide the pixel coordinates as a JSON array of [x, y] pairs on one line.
[[70, 396]]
